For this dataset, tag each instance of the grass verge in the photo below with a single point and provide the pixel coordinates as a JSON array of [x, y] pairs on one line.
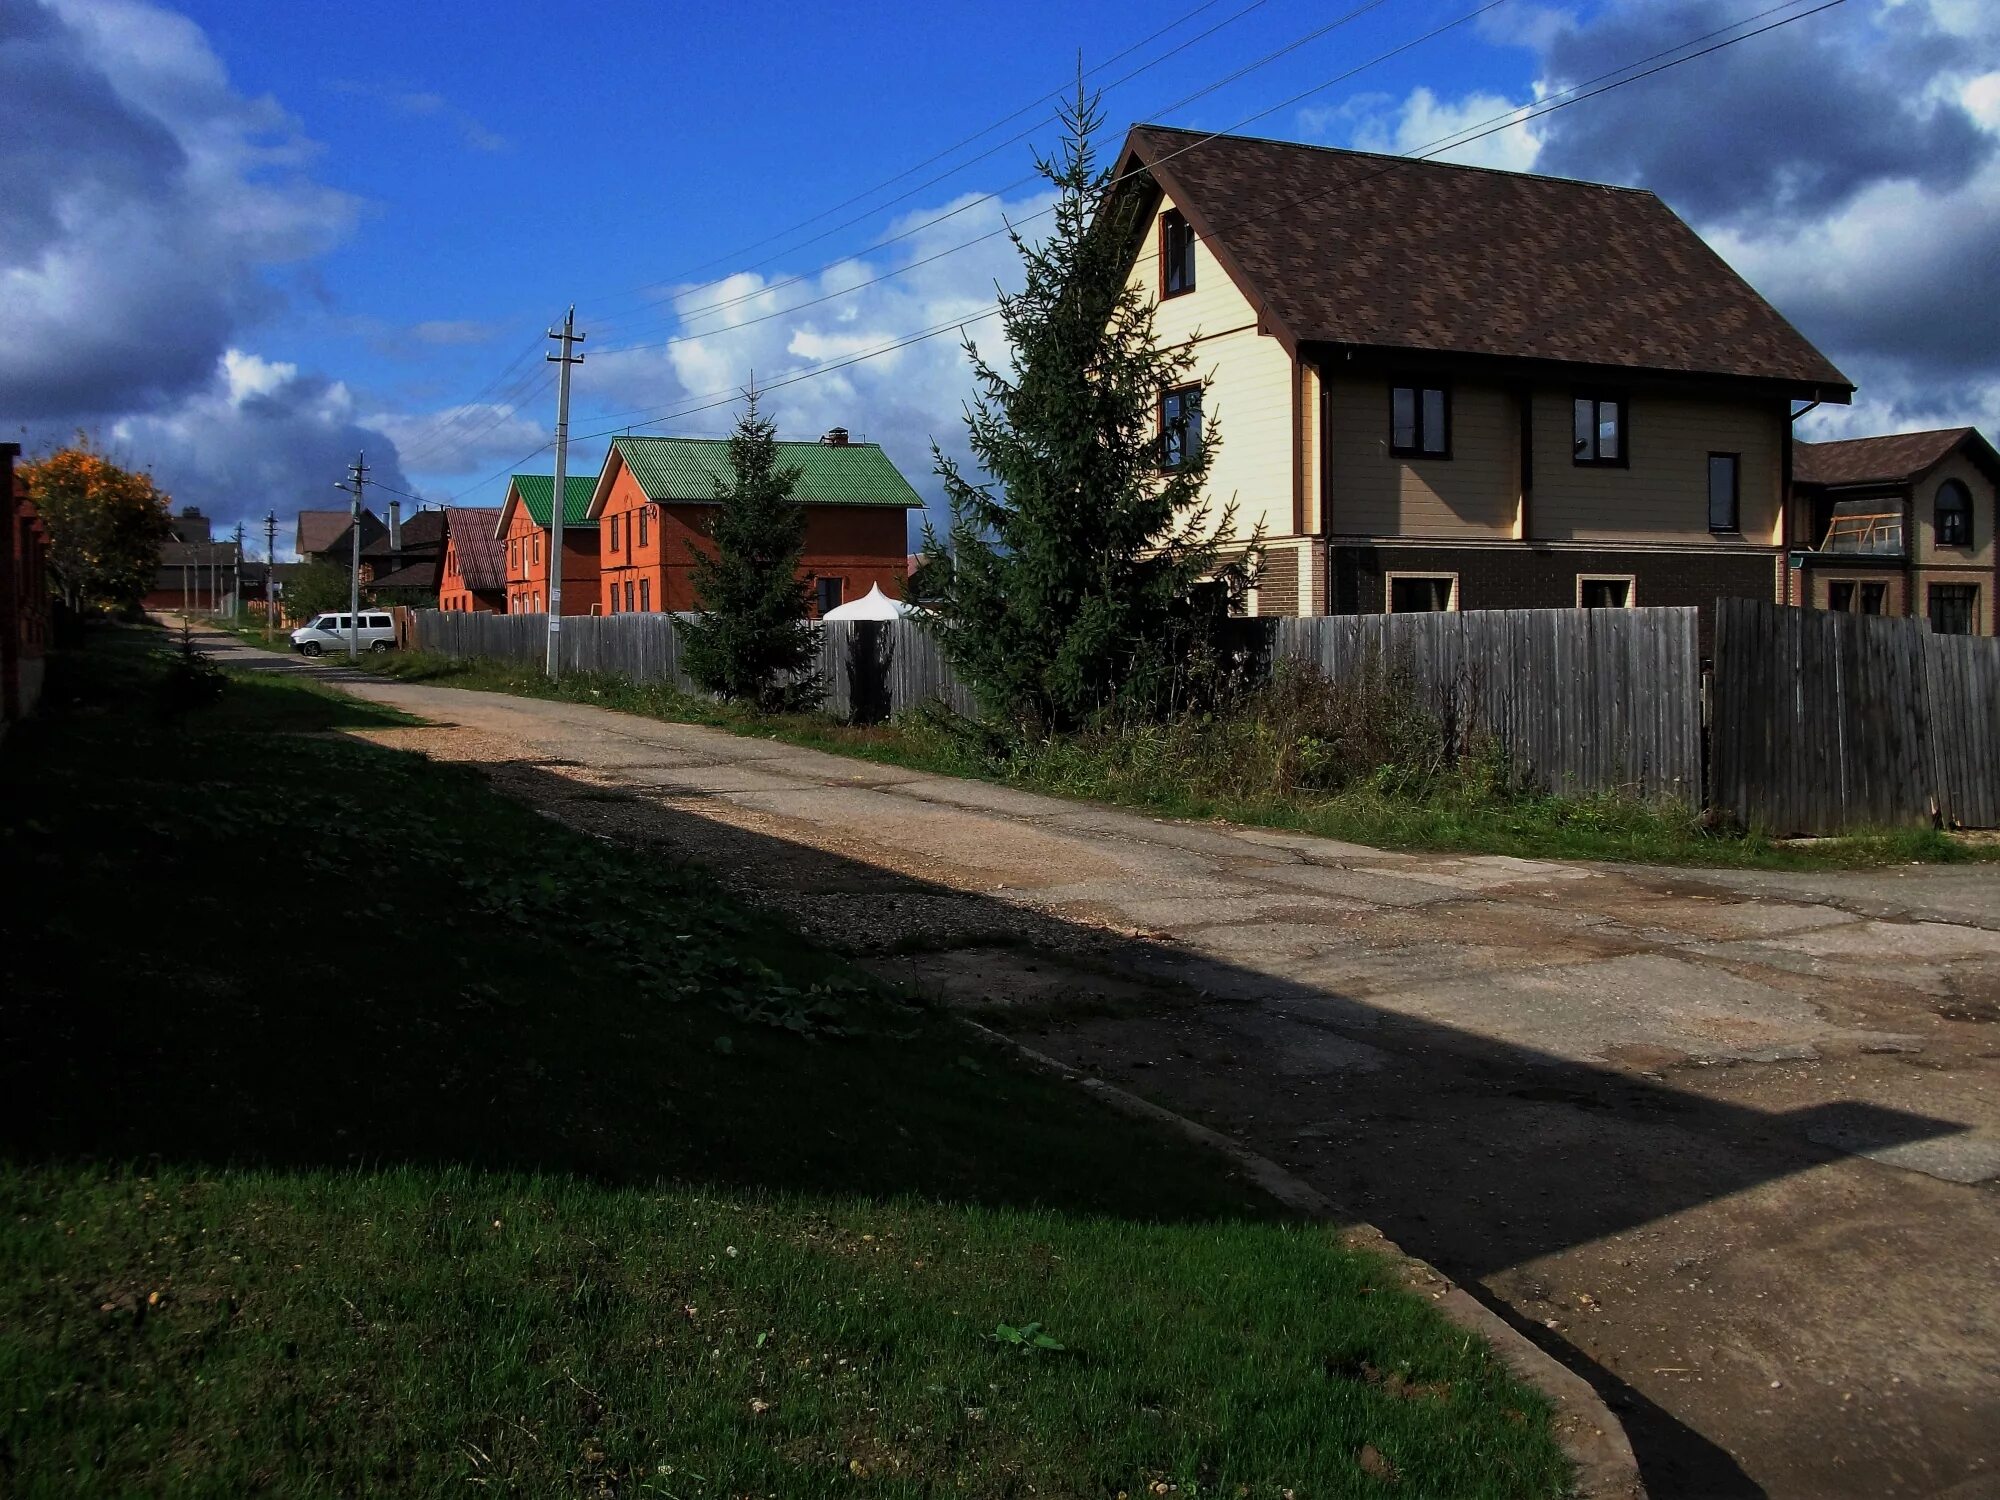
[[475, 1151], [1457, 813]]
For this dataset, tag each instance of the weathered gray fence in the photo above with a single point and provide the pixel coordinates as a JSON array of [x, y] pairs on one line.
[[1582, 700], [1825, 721]]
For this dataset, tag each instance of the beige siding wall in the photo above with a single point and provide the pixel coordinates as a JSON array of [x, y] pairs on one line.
[[1924, 506], [1250, 390], [1663, 495], [1474, 494]]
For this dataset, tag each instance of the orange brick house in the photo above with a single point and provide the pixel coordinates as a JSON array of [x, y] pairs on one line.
[[524, 529], [473, 578], [655, 496]]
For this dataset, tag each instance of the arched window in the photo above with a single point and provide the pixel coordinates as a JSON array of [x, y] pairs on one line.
[[1954, 515]]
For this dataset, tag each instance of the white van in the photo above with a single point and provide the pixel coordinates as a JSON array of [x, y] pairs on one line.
[[329, 633]]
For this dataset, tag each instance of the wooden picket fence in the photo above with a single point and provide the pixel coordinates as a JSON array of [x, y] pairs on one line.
[[1826, 721]]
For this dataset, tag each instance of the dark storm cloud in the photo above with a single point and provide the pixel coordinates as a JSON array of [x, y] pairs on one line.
[[1787, 125]]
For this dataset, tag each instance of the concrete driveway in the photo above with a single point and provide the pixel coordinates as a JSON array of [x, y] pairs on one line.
[[1725, 1143]]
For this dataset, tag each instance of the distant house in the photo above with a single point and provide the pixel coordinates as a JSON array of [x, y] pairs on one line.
[[1898, 525], [1443, 387], [524, 529], [654, 500], [194, 571], [24, 594], [322, 535], [473, 575]]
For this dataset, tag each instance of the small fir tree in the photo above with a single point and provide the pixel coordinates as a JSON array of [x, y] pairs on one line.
[[1073, 569], [751, 640]]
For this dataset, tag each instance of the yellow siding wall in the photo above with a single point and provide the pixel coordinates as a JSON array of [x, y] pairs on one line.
[[1663, 496], [1474, 494], [1250, 386], [1924, 505]]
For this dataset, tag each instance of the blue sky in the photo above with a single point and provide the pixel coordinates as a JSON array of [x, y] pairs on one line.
[[249, 238]]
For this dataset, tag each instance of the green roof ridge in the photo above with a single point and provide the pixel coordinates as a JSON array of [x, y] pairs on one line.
[[687, 469], [535, 490]]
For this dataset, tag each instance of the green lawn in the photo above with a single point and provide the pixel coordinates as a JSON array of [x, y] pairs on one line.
[[1457, 816], [365, 1132]]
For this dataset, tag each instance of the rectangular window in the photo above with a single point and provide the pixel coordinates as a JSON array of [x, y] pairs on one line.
[[1953, 606], [614, 533], [1176, 254], [829, 593], [1725, 494], [611, 601], [628, 596], [1422, 593], [1603, 592], [645, 584], [645, 516], [1873, 597], [1600, 430], [1180, 426], [1840, 594], [1419, 421]]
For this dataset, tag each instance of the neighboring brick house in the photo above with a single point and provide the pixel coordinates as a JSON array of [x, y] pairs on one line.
[[1898, 525], [523, 529], [1447, 387], [473, 576], [24, 594], [655, 497]]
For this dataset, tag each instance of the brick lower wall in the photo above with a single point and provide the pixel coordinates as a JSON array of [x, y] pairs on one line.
[[1278, 587], [1545, 578]]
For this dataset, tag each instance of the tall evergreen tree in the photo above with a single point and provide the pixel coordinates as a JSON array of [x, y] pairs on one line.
[[1075, 564], [751, 640]]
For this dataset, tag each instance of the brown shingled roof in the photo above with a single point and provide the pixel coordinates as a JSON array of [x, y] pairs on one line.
[[1348, 247], [482, 557], [1874, 460]]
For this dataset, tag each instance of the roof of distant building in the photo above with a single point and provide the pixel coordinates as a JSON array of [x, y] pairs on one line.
[[688, 470], [1893, 458]]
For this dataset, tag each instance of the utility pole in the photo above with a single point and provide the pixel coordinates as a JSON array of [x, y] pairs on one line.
[[236, 577], [357, 475], [270, 570], [567, 337]]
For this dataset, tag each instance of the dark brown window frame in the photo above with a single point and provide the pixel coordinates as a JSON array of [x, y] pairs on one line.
[[1938, 513], [645, 527], [1603, 398], [614, 533], [1417, 385], [1170, 221], [1165, 397], [1735, 526]]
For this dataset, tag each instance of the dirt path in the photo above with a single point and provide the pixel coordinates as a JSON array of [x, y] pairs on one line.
[[1727, 1144]]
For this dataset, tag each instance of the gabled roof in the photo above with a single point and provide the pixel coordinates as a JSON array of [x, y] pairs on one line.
[[422, 531], [320, 529], [1895, 458], [482, 556], [1383, 252], [421, 574], [688, 470], [535, 491]]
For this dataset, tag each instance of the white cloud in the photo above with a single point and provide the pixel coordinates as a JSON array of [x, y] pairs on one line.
[[1423, 123]]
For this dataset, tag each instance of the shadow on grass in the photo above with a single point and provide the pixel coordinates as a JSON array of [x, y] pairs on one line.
[[316, 953]]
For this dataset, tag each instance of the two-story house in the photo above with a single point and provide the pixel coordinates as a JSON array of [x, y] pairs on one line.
[[655, 499], [473, 575], [526, 531], [1448, 387], [1898, 525]]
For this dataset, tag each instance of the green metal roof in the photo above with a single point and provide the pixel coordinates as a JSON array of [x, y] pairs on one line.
[[688, 469], [535, 489]]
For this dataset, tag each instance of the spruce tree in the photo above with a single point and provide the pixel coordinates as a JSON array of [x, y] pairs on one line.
[[1075, 563], [751, 640]]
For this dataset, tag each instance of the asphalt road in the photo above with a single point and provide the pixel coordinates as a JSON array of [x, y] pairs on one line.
[[1725, 1143]]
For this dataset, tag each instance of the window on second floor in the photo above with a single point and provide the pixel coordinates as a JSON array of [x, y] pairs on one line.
[[644, 527], [1954, 515], [1176, 254], [1180, 426], [1600, 431], [1725, 493], [1419, 421], [829, 591], [614, 533]]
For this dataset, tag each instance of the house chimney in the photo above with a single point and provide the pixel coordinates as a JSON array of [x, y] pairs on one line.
[[836, 437], [395, 527]]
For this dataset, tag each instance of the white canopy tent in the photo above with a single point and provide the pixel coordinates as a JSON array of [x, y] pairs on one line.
[[873, 605]]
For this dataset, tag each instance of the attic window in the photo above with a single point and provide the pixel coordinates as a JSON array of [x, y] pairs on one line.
[[1954, 515], [1176, 254]]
